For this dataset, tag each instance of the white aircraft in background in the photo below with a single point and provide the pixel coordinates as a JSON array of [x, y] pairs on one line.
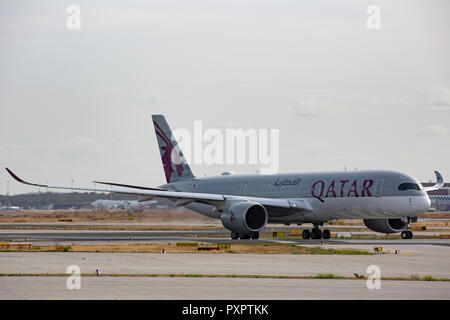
[[125, 205], [11, 208], [387, 201]]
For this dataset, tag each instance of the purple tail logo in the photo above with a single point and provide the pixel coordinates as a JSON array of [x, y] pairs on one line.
[[169, 151]]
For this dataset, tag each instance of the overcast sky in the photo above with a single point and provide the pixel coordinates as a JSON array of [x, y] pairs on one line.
[[76, 104]]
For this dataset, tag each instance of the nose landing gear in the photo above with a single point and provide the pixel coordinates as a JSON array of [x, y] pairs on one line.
[[406, 234]]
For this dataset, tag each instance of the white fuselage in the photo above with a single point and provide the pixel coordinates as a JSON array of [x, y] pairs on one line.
[[331, 195]]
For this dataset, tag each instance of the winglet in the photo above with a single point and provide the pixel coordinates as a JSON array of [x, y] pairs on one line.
[[23, 181], [439, 182]]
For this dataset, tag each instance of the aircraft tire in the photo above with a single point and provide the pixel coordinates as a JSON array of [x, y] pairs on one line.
[[306, 234], [316, 234], [326, 234]]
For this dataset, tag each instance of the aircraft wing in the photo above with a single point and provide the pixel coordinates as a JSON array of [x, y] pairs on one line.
[[128, 186], [439, 182], [182, 198]]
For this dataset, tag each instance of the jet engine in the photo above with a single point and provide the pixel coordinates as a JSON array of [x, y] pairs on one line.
[[245, 218], [387, 225]]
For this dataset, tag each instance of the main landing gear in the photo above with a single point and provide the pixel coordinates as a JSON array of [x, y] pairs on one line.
[[316, 233], [235, 235], [406, 234]]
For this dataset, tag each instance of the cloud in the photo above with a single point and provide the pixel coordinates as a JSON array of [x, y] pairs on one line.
[[6, 149], [147, 101], [74, 147], [435, 130], [229, 124], [439, 99], [304, 112], [319, 103]]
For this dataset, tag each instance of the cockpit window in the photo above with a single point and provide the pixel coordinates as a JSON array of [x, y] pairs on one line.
[[408, 186]]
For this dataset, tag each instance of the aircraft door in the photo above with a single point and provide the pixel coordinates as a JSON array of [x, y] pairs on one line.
[[243, 189], [379, 187]]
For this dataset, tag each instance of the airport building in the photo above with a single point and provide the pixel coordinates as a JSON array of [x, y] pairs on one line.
[[440, 203], [440, 199]]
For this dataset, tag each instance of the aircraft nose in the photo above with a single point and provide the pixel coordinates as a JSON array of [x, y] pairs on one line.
[[423, 203], [428, 203]]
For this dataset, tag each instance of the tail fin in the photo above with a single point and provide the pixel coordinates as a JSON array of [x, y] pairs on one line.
[[175, 166]]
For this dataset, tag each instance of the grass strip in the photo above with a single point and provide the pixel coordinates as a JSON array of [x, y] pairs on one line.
[[273, 248], [247, 276]]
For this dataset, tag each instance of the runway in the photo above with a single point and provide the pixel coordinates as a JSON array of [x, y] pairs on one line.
[[422, 261], [209, 236], [216, 288]]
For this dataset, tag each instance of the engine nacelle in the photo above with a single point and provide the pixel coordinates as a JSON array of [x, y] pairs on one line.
[[245, 217], [387, 225]]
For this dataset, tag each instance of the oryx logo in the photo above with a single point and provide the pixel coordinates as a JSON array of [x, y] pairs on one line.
[[170, 155], [232, 216]]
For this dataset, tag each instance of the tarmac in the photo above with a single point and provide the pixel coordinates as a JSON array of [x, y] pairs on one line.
[[208, 236], [216, 288], [430, 260], [416, 258]]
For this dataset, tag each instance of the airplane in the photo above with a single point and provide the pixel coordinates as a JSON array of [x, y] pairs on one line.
[[387, 201], [10, 208], [128, 205]]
